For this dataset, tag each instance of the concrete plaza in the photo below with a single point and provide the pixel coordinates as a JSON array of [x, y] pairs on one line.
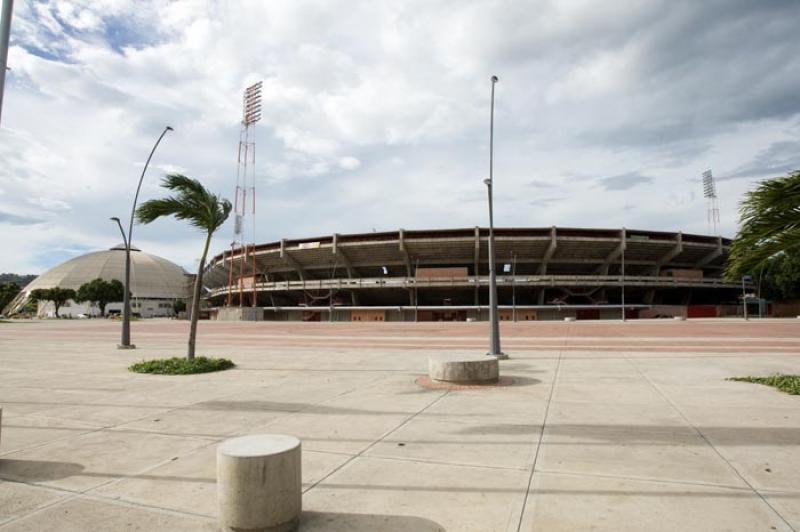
[[607, 426]]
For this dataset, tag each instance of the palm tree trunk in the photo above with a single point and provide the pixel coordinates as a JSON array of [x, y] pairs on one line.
[[198, 283]]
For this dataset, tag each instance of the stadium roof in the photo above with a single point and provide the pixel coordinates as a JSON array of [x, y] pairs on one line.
[[151, 276]]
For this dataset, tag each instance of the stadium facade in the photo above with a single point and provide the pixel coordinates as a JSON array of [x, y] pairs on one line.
[[543, 273]]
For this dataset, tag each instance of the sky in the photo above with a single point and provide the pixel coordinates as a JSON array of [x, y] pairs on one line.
[[376, 115]]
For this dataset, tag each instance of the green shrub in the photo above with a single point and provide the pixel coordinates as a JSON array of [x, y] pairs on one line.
[[785, 383], [181, 365]]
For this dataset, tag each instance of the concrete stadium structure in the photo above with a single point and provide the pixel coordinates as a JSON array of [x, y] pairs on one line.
[[543, 273], [155, 283]]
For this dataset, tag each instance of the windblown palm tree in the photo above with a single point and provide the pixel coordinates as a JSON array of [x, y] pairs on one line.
[[770, 218], [203, 210]]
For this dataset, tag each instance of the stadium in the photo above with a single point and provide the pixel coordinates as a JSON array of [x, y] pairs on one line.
[[443, 275]]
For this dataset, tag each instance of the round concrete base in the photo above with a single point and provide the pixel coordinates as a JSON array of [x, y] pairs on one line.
[[464, 370], [679, 318], [259, 483], [569, 318]]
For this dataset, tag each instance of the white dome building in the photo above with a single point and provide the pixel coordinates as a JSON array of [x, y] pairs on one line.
[[156, 283]]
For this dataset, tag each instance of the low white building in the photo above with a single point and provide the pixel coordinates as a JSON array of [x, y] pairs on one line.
[[156, 283]]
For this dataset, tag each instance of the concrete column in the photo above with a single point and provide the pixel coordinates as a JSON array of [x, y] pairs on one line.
[[259, 483]]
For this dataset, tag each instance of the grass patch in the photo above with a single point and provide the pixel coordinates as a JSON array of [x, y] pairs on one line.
[[181, 365], [785, 383]]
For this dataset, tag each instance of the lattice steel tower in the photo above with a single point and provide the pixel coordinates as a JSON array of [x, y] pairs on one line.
[[242, 272], [710, 192]]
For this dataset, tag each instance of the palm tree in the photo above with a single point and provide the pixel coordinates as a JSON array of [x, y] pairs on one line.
[[770, 219], [203, 210]]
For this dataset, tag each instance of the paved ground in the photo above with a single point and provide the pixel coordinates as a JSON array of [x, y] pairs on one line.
[[610, 426]]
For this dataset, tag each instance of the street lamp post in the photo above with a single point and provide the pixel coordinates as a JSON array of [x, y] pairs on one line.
[[5, 33], [514, 286], [745, 278], [126, 304], [622, 272], [494, 327]]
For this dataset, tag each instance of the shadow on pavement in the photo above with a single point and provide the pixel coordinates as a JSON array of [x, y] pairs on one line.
[[341, 522]]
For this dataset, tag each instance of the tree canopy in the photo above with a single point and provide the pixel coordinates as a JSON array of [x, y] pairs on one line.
[[770, 225], [100, 293], [8, 291], [57, 295]]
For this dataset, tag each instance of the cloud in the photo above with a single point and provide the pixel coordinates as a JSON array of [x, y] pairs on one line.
[[623, 181], [377, 114], [779, 158], [13, 219]]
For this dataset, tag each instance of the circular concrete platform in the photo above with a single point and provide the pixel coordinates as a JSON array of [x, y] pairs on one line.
[[464, 370]]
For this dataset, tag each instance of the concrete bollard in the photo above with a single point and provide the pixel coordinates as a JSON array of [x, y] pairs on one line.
[[569, 318], [481, 370], [259, 483]]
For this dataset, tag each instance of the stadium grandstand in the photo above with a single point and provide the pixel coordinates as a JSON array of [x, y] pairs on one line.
[[443, 274]]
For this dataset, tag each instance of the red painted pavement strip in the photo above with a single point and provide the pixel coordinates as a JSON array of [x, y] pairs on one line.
[[712, 336]]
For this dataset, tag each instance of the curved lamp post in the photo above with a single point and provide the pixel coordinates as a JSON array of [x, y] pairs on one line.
[[126, 305], [494, 328]]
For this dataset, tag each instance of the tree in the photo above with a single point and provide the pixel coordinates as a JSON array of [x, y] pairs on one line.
[[204, 211], [770, 225], [57, 295], [780, 277], [100, 293], [8, 291]]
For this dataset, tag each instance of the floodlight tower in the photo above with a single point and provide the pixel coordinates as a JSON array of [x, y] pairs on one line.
[[710, 193], [243, 259]]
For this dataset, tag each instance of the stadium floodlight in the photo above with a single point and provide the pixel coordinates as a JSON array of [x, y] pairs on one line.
[[125, 342], [494, 325], [709, 188]]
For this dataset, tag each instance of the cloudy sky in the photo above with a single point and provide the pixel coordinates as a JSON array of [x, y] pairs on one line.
[[376, 114]]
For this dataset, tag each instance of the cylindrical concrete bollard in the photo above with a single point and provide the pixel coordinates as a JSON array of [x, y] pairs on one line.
[[481, 370], [259, 483]]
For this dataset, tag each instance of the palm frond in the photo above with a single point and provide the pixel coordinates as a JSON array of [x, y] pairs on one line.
[[192, 202], [770, 225]]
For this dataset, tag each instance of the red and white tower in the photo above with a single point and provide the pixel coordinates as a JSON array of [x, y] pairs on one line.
[[242, 272]]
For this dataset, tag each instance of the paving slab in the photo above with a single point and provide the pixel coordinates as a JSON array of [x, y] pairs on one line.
[[564, 503], [454, 441], [17, 500], [92, 459], [20, 432], [634, 452], [189, 483], [82, 514], [467, 499]]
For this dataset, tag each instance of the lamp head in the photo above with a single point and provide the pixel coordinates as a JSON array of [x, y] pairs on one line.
[[169, 128], [114, 219], [495, 79], [487, 182]]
